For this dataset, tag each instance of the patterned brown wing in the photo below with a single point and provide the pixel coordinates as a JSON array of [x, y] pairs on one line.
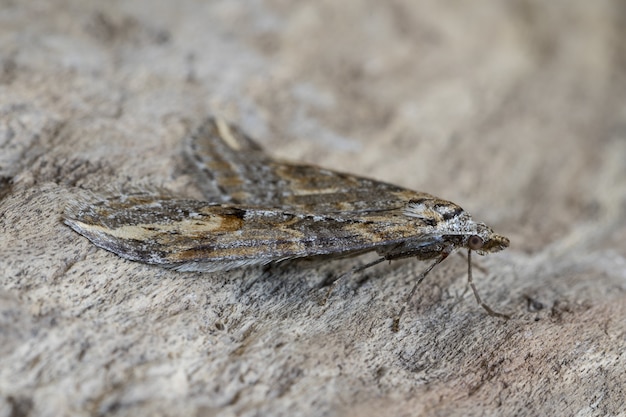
[[190, 235], [234, 169]]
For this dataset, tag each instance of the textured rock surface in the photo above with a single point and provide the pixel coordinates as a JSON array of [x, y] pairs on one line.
[[514, 110]]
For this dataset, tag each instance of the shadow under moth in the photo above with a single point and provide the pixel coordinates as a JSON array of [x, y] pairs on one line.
[[261, 211]]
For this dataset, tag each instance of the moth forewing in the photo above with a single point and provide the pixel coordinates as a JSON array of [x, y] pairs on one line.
[[180, 233]]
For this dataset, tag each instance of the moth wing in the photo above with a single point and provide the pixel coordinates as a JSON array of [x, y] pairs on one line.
[[227, 162], [237, 170], [190, 235]]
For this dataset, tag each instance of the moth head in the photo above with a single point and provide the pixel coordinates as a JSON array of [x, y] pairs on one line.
[[455, 225], [483, 240]]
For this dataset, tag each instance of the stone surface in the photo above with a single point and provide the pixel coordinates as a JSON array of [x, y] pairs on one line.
[[514, 110]]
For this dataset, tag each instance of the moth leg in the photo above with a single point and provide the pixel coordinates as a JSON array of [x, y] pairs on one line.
[[387, 257], [333, 284], [475, 264], [478, 299], [396, 321], [362, 267]]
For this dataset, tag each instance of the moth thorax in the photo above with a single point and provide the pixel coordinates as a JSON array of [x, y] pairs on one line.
[[436, 212]]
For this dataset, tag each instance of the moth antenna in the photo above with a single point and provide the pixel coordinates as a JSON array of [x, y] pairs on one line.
[[396, 321], [475, 291]]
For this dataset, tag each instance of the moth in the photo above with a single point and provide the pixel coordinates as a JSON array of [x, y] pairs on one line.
[[261, 211]]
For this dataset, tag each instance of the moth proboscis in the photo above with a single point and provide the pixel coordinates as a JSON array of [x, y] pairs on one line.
[[261, 211]]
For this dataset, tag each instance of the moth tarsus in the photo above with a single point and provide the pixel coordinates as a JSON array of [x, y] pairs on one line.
[[261, 211]]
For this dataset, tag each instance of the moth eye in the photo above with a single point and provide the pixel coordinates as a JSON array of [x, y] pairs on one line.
[[475, 242]]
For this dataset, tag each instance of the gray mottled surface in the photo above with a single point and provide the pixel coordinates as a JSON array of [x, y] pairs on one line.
[[514, 110]]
